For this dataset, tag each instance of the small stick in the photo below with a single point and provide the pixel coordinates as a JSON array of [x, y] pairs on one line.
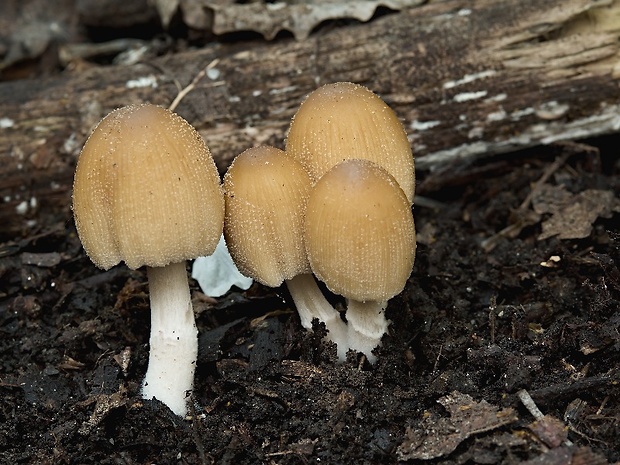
[[187, 89], [529, 404], [563, 389], [490, 243], [437, 359], [600, 409], [552, 168]]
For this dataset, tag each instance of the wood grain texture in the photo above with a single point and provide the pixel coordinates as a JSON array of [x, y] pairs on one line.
[[467, 78]]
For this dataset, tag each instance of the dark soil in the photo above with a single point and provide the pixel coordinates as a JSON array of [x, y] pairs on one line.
[[479, 321], [513, 306]]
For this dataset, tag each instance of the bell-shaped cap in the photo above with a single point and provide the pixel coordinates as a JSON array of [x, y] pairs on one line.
[[360, 235], [266, 193], [341, 121], [146, 190]]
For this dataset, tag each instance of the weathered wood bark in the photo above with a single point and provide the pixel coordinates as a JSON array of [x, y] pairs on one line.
[[468, 78]]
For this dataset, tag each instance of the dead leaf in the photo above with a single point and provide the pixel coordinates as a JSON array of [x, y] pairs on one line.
[[270, 18], [104, 404], [437, 437], [549, 430], [572, 215]]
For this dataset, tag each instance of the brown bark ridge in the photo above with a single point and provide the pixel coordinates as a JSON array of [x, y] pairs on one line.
[[468, 78]]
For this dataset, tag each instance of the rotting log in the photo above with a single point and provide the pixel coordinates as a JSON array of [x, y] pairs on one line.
[[468, 78]]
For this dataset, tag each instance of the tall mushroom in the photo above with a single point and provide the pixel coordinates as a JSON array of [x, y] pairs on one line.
[[147, 192], [360, 240], [343, 120], [266, 194]]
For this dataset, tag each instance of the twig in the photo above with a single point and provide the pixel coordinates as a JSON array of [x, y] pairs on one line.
[[563, 389], [552, 168], [529, 404], [437, 359], [516, 227], [602, 406], [187, 89]]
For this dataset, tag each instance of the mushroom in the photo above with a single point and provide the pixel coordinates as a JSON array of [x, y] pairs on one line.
[[147, 192], [343, 120], [266, 193], [360, 241]]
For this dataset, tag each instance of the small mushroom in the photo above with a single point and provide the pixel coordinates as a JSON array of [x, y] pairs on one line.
[[147, 192], [266, 194], [342, 121], [360, 240]]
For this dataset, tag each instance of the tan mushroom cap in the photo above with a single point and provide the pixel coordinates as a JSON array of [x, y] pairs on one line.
[[266, 193], [360, 234], [341, 121], [146, 190]]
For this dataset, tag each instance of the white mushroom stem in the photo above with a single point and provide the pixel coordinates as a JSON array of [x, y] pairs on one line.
[[174, 338], [311, 303], [367, 325]]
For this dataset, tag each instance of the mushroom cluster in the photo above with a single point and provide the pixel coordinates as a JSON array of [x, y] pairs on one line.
[[336, 204], [359, 230]]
